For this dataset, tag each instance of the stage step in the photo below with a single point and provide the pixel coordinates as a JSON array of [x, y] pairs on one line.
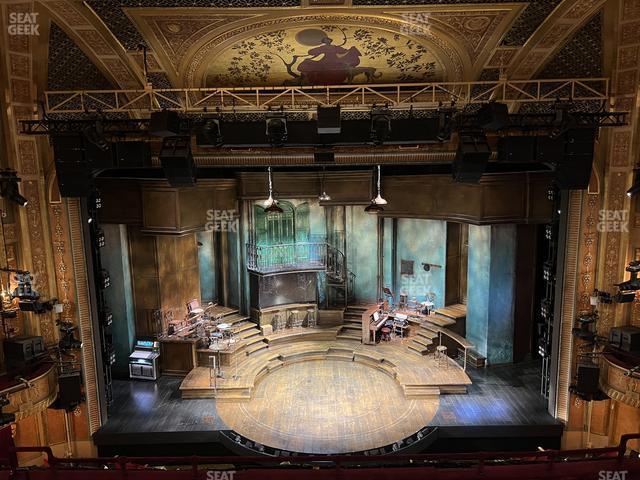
[[426, 333], [351, 326], [350, 336], [243, 327], [256, 347], [422, 341], [252, 341], [420, 391], [249, 333], [418, 348], [234, 319]]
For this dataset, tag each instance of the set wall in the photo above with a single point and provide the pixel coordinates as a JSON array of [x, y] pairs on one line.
[[478, 283], [423, 241], [490, 291], [206, 262], [119, 297], [362, 252]]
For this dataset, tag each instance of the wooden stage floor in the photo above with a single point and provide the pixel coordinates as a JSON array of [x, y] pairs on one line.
[[328, 402], [327, 406]]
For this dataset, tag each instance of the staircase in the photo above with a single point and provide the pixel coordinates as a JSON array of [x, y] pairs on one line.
[[246, 332], [423, 342], [352, 327]]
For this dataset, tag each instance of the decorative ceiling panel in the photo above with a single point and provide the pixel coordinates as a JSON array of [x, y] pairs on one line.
[[69, 68], [232, 47]]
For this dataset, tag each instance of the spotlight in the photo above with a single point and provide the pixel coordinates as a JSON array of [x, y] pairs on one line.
[[276, 128], [68, 340], [445, 122], [380, 124], [94, 133], [635, 187], [209, 134], [9, 187]]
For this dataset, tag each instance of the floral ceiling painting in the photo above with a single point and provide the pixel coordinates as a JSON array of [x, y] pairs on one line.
[[323, 55]]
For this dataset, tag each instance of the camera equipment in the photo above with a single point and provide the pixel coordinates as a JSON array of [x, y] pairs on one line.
[[68, 341]]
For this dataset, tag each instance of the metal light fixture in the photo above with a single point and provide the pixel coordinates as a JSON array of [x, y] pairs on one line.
[[271, 204], [635, 187], [376, 203], [323, 197]]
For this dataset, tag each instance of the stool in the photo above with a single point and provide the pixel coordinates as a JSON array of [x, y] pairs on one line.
[[277, 322], [311, 317], [441, 356], [294, 319], [386, 334]]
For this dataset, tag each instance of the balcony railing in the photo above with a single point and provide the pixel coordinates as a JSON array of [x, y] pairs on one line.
[[296, 256]]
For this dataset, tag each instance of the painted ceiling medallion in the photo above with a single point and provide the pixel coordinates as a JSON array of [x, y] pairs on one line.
[[326, 55]]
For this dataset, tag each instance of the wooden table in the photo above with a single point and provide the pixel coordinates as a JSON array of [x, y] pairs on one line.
[[178, 355]]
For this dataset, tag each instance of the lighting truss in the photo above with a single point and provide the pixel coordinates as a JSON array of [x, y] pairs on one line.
[[308, 98]]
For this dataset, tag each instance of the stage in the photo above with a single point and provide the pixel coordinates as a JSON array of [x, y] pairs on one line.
[[324, 405]]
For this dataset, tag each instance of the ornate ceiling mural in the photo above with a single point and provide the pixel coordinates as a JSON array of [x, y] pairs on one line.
[[239, 47], [324, 55]]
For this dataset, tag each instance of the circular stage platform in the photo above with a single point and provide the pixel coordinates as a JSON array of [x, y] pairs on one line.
[[328, 406]]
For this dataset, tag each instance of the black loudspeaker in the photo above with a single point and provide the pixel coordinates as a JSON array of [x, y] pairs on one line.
[[76, 162], [588, 375], [493, 116], [328, 120], [471, 157], [517, 149], [573, 171], [132, 154], [177, 161], [549, 150], [69, 391], [21, 352], [164, 124]]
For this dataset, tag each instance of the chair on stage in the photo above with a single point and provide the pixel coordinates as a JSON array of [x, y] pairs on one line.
[[193, 308], [386, 334], [441, 356], [311, 318], [294, 319], [277, 322], [400, 324]]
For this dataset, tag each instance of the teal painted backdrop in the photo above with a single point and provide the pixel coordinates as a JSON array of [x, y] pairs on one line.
[[423, 241], [490, 291]]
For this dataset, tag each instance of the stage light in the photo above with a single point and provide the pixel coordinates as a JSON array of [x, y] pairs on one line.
[[68, 340], [94, 133], [378, 201], [105, 279], [493, 116], [323, 197], [276, 128], [210, 134], [635, 187], [271, 204], [9, 187], [380, 124]]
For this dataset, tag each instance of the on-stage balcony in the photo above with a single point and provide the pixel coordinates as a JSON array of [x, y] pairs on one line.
[[296, 256]]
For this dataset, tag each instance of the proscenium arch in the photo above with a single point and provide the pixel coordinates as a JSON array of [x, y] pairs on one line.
[[454, 60]]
